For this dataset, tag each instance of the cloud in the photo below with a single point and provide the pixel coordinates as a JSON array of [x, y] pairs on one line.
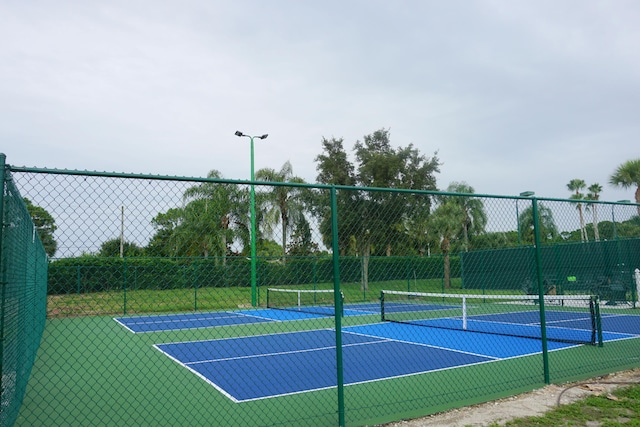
[[513, 96]]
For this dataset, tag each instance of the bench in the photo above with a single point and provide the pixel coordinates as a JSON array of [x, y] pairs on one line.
[[530, 287], [611, 292]]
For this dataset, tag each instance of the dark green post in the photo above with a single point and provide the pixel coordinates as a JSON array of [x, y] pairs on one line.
[[596, 302], [538, 259], [3, 273], [315, 272], [194, 270], [124, 286], [338, 303], [462, 271], [79, 280]]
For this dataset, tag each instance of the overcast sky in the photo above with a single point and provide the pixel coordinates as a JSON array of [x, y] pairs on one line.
[[513, 95]]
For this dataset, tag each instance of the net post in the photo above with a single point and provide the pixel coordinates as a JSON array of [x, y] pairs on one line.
[[592, 312], [596, 303], [382, 306], [268, 305], [464, 313]]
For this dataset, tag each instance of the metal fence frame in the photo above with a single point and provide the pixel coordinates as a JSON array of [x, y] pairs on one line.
[[341, 412]]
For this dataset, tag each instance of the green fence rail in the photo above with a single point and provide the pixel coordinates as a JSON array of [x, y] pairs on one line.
[[23, 287], [153, 316]]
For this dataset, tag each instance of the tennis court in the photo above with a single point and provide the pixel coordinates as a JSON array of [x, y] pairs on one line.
[[298, 362], [183, 321]]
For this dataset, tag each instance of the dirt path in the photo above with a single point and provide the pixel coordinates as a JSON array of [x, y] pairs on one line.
[[528, 404]]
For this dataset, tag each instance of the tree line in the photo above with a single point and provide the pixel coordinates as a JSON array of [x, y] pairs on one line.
[[214, 220]]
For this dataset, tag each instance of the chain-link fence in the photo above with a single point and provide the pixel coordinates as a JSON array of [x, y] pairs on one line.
[[23, 294], [360, 306]]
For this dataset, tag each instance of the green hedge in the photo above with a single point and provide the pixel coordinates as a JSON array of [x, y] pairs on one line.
[[97, 274]]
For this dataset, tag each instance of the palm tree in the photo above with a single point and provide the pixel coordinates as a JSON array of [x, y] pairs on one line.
[[283, 203], [626, 176], [546, 224], [201, 232], [575, 185], [207, 216], [474, 217], [446, 222], [594, 194]]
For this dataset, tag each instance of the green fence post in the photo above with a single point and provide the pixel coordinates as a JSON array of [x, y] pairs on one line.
[[195, 285], [538, 262], [442, 288], [3, 272], [408, 273], [462, 271], [338, 304], [315, 272], [124, 285]]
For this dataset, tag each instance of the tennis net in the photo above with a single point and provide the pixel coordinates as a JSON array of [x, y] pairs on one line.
[[568, 318], [313, 301]]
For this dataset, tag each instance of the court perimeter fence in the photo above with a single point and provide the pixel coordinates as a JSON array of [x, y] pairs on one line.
[[132, 299]]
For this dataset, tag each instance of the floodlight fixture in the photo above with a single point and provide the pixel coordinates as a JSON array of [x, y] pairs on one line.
[[527, 194]]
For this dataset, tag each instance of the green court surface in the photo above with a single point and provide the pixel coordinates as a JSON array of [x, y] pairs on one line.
[[92, 371]]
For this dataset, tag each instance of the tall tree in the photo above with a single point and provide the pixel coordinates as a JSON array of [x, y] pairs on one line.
[[111, 248], [162, 244], [202, 227], [594, 194], [418, 230], [375, 222], [446, 221], [334, 168], [302, 243], [628, 175], [474, 216], [208, 214], [575, 185], [380, 165], [547, 226], [283, 204], [200, 233], [333, 165], [45, 226]]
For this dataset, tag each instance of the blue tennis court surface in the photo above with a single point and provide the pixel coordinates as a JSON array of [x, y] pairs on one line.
[[297, 362], [173, 322]]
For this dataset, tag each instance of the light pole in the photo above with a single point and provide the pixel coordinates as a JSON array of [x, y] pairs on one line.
[[254, 276]]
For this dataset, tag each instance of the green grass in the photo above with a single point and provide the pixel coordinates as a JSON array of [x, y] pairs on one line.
[[209, 298], [620, 408]]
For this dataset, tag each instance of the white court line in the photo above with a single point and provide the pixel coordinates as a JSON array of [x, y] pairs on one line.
[[422, 344], [279, 353], [186, 319]]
